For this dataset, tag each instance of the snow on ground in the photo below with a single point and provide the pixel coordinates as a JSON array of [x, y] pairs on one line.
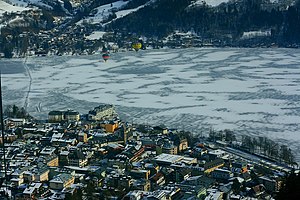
[[103, 12], [251, 91], [96, 35], [5, 7], [209, 2]]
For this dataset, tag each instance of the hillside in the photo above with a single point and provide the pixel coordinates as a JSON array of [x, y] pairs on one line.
[[41, 25]]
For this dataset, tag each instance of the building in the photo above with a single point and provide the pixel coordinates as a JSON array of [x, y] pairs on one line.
[[168, 159], [14, 122], [111, 126], [82, 137], [59, 116], [55, 116], [271, 185], [77, 158], [212, 165], [101, 112], [183, 145], [140, 174], [52, 161], [61, 181], [221, 174], [71, 115], [31, 191]]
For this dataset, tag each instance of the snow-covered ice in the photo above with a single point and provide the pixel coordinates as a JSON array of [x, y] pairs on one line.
[[251, 91]]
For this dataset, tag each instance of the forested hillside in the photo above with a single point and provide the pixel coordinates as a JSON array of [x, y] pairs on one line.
[[228, 20]]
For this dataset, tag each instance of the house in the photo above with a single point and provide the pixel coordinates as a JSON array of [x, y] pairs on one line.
[[141, 184], [52, 161], [64, 158], [157, 180], [152, 167], [182, 174], [183, 145], [271, 185], [31, 191], [77, 158], [47, 151], [82, 137], [257, 191], [37, 173], [214, 194], [218, 153], [61, 181], [160, 129], [14, 122], [221, 174], [192, 191], [111, 126], [169, 148], [138, 174]]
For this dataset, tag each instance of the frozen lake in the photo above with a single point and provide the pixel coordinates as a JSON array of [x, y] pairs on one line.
[[251, 91]]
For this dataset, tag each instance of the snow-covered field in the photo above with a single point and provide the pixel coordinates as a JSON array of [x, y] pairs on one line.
[[5, 7], [251, 91]]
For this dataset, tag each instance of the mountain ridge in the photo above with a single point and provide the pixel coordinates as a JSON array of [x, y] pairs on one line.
[[246, 23]]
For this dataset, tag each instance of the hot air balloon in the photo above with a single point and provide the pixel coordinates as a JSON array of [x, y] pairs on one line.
[[136, 46], [105, 56]]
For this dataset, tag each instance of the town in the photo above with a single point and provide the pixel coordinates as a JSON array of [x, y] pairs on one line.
[[99, 156]]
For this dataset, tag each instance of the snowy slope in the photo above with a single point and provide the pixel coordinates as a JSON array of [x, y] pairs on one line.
[[104, 12], [209, 2], [10, 8]]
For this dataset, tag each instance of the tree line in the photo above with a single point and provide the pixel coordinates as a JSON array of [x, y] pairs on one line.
[[258, 145], [13, 111], [227, 21]]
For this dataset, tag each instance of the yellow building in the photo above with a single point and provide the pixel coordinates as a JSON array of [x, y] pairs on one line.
[[212, 165], [55, 116], [111, 127], [58, 116], [101, 112], [183, 145], [52, 161], [71, 115], [82, 137], [140, 174]]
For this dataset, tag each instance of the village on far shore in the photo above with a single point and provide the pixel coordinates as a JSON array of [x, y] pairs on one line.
[[99, 156]]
